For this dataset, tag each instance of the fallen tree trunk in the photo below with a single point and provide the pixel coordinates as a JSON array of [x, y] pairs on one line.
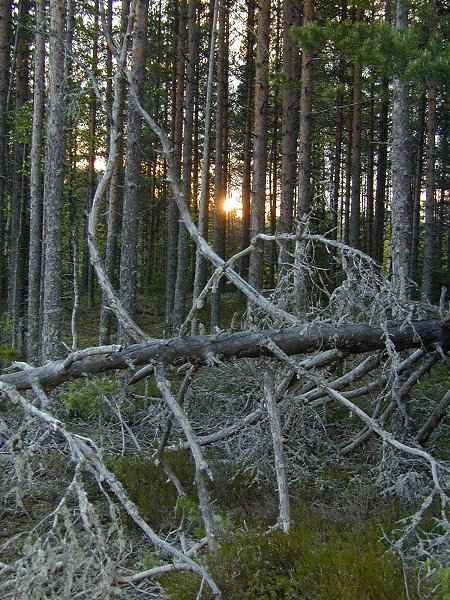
[[349, 338]]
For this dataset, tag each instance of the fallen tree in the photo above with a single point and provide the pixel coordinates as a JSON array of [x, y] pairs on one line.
[[311, 337]]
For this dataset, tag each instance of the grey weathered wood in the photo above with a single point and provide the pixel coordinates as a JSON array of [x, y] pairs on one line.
[[350, 338]]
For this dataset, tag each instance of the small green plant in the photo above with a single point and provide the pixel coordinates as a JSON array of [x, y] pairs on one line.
[[442, 578], [8, 355], [84, 398], [317, 560], [149, 488]]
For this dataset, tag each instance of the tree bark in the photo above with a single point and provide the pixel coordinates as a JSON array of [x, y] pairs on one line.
[[349, 338], [20, 182], [183, 245], [35, 248], [355, 214], [417, 190], [172, 213], [370, 178], [427, 272], [220, 168], [401, 174], [114, 224], [258, 200], [53, 197], [304, 200], [380, 191], [128, 257], [289, 121], [249, 120], [5, 17]]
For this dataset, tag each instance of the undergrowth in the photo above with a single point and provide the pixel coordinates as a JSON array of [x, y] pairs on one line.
[[316, 560]]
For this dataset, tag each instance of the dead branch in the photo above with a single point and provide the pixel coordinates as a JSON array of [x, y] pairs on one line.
[[348, 338]]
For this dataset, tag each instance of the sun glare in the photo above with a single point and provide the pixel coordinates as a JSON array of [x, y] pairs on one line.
[[233, 201]]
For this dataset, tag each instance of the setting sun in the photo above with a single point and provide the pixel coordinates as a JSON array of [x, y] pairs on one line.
[[233, 201]]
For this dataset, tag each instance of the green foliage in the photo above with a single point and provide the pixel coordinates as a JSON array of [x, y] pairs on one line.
[[8, 355], [83, 398], [379, 46], [149, 488], [442, 578], [317, 560]]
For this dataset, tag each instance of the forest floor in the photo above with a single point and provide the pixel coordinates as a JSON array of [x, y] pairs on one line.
[[337, 547]]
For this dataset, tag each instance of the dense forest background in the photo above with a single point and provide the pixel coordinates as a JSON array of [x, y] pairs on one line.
[[244, 206], [337, 112]]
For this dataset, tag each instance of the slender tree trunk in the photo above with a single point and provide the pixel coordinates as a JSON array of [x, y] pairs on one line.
[[92, 178], [35, 249], [337, 163], [17, 246], [380, 193], [289, 121], [5, 16], [355, 215], [113, 234], [305, 159], [427, 273], [249, 119], [220, 171], [416, 191], [370, 178], [401, 174], [53, 197], [128, 257], [348, 179], [200, 263], [183, 247], [172, 213], [258, 204]]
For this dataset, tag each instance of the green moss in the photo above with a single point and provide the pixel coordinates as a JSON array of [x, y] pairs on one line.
[[442, 578], [84, 398], [149, 488], [317, 560]]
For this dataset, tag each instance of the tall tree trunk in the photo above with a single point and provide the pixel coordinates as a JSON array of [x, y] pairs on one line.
[[128, 257], [183, 248], [17, 246], [172, 213], [355, 214], [417, 191], [337, 163], [289, 121], [258, 204], [348, 178], [5, 16], [35, 249], [427, 272], [92, 178], [401, 174], [53, 197], [380, 192], [305, 158], [113, 234], [203, 207], [370, 177], [220, 171], [249, 119]]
